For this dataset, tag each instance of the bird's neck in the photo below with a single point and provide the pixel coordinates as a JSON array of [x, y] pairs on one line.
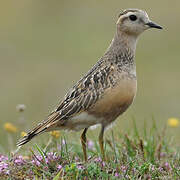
[[123, 43], [122, 52]]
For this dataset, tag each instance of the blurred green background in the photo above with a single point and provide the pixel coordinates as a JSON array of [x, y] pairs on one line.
[[46, 46]]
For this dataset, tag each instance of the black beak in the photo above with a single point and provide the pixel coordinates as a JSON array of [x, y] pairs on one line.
[[153, 25]]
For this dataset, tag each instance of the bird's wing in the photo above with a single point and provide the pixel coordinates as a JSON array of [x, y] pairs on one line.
[[85, 93], [80, 98]]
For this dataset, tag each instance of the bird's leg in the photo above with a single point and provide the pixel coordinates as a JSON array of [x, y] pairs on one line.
[[101, 142], [83, 142]]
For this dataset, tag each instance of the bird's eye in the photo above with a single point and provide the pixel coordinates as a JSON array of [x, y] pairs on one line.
[[132, 17]]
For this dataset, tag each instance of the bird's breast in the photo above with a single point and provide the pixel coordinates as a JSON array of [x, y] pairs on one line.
[[115, 100]]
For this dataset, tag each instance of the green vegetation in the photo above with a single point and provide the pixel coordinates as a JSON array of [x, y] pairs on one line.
[[130, 156]]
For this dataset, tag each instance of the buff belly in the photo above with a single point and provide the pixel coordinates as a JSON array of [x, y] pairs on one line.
[[114, 102]]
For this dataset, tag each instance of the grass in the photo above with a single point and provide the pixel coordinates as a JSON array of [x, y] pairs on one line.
[[129, 156]]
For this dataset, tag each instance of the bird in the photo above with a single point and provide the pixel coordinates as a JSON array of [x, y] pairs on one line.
[[106, 90]]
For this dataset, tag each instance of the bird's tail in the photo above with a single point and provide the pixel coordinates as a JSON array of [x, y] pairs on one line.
[[41, 127]]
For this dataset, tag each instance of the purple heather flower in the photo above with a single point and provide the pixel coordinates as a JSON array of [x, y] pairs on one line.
[[162, 154], [152, 168], [38, 157], [103, 164], [52, 156], [123, 168], [160, 169], [116, 174], [35, 162], [3, 158], [127, 177], [19, 160], [80, 167], [47, 161], [59, 167], [3, 167], [167, 166], [90, 145], [98, 159], [49, 158], [76, 158], [7, 172]]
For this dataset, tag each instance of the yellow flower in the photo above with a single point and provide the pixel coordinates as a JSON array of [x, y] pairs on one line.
[[173, 122], [55, 134], [23, 134], [10, 128]]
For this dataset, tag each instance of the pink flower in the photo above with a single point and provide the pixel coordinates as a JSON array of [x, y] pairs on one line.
[[80, 167], [123, 168], [19, 160], [76, 158], [59, 167], [52, 156], [103, 164], [39, 157], [90, 145], [162, 154], [3, 158], [3, 167], [116, 174], [167, 166], [160, 169], [98, 159], [6, 172], [36, 162], [47, 161], [152, 168]]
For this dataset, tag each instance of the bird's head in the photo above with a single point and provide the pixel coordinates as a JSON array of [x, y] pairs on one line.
[[134, 22]]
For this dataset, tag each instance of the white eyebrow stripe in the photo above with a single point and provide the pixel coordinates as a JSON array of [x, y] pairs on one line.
[[129, 13]]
